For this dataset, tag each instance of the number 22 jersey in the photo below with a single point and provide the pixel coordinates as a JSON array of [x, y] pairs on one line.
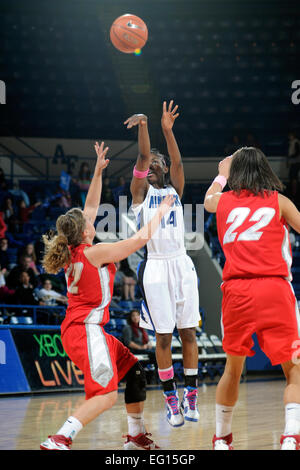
[[254, 239]]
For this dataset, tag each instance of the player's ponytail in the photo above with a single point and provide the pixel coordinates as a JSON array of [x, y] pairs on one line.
[[70, 227]]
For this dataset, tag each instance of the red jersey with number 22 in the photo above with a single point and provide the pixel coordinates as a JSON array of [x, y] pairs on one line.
[[89, 290], [254, 239]]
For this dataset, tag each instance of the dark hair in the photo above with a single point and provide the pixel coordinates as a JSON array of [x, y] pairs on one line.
[[251, 170], [166, 161], [129, 321]]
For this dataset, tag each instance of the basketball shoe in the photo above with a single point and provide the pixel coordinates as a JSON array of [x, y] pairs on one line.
[[174, 414], [222, 443], [290, 442], [56, 442], [140, 442], [189, 404]]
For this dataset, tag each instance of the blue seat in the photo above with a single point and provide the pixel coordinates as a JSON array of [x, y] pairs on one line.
[[20, 320]]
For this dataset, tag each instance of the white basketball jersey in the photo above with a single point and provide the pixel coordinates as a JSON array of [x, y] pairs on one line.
[[168, 240]]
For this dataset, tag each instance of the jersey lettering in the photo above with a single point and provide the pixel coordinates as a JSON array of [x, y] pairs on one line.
[[237, 217], [74, 270]]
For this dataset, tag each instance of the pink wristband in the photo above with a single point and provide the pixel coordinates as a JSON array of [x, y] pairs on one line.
[[140, 174], [221, 180]]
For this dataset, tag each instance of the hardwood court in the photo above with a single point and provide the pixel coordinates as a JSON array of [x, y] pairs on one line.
[[258, 420]]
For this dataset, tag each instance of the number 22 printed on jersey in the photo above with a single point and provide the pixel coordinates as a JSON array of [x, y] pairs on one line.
[[238, 216]]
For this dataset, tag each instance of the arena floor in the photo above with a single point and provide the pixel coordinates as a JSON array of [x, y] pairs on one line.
[[257, 424]]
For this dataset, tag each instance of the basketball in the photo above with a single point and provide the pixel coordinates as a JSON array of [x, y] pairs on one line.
[[128, 33]]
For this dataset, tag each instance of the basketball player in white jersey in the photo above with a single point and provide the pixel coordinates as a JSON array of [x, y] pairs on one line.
[[167, 277]]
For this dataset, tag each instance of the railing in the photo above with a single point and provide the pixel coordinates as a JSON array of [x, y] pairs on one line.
[[17, 314]]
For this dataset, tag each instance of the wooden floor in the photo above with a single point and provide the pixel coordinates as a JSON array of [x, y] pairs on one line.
[[258, 420]]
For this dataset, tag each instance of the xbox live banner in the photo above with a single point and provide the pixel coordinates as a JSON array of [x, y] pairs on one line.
[[45, 363]]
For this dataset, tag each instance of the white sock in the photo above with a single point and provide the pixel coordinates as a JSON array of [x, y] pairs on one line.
[[223, 420], [135, 424], [292, 419], [70, 428]]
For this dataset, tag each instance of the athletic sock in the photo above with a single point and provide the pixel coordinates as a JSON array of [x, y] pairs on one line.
[[190, 378], [223, 420], [135, 424], [167, 379], [292, 419], [70, 428]]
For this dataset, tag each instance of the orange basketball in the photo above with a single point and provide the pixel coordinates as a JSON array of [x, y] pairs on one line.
[[128, 33]]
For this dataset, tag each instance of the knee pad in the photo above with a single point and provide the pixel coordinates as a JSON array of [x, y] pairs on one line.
[[136, 382]]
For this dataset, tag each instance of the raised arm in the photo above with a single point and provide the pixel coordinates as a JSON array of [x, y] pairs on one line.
[[176, 169], [104, 253], [139, 184], [92, 201], [214, 192]]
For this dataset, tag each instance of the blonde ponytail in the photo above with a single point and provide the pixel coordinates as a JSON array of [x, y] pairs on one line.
[[70, 227], [57, 253]]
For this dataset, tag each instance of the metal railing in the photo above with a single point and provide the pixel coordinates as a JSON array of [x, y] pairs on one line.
[[17, 314]]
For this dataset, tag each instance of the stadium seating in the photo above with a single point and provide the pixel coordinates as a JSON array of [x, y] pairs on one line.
[[229, 75]]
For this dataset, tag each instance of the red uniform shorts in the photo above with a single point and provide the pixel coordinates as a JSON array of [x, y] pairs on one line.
[[101, 357], [265, 306]]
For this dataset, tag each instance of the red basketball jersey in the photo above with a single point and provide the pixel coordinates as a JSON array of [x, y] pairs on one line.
[[254, 239], [89, 290]]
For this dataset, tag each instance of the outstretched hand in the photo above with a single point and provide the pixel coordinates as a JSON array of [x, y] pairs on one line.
[[102, 162], [169, 115], [166, 204], [135, 120]]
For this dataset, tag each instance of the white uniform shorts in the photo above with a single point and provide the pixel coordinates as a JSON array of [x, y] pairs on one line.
[[169, 287]]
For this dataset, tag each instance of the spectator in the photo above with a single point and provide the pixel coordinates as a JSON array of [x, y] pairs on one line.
[[29, 250], [13, 278], [119, 282], [25, 212], [17, 192], [8, 209], [6, 294], [129, 281], [49, 296], [135, 337], [4, 257], [24, 293], [84, 180], [3, 226], [107, 196]]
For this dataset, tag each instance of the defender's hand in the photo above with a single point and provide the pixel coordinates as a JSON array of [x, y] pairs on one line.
[[169, 115]]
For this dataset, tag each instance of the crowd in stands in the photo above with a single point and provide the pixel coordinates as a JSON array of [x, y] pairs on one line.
[[22, 278]]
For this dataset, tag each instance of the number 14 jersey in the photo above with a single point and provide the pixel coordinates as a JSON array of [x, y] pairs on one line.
[[169, 236], [254, 239]]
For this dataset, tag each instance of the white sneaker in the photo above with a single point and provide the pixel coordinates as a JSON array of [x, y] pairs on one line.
[[189, 404], [174, 414], [290, 442], [140, 442], [222, 443], [56, 442]]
